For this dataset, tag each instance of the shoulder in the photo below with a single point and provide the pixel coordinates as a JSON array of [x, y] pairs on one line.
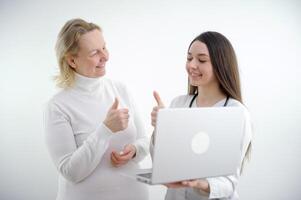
[[56, 100], [61, 99], [62, 95], [181, 101], [235, 103]]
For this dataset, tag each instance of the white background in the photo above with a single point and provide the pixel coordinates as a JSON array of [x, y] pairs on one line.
[[148, 41]]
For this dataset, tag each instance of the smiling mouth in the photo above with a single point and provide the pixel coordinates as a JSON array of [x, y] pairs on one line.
[[196, 75]]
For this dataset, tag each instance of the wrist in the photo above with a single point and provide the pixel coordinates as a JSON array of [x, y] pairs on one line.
[[108, 127], [135, 151]]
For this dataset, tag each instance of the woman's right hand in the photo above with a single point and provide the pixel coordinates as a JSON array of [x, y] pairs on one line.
[[117, 119], [160, 105]]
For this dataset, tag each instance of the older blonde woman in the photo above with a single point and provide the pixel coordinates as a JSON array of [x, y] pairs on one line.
[[93, 131]]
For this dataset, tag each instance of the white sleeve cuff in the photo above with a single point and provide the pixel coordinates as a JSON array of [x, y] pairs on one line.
[[141, 149], [214, 190]]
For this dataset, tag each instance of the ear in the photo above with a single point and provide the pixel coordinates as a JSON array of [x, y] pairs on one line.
[[71, 61]]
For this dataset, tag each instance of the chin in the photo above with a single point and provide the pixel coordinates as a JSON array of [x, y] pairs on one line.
[[100, 74], [193, 82]]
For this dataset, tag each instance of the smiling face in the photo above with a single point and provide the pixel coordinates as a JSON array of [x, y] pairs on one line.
[[198, 65], [92, 55]]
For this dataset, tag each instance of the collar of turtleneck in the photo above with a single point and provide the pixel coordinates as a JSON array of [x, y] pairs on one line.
[[86, 84]]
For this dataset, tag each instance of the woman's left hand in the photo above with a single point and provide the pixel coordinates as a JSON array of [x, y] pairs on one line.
[[120, 158], [200, 184]]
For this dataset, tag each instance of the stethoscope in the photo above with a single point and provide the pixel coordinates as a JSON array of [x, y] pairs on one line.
[[193, 98]]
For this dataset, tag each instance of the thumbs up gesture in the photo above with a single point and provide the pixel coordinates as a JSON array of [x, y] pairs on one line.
[[156, 108], [117, 119]]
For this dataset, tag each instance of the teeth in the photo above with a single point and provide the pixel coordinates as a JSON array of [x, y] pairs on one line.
[[196, 75]]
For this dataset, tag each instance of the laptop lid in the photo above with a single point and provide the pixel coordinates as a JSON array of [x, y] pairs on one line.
[[193, 143]]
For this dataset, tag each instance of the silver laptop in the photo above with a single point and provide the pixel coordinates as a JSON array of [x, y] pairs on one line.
[[192, 143]]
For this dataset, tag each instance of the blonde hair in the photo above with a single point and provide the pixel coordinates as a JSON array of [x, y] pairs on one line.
[[67, 44]]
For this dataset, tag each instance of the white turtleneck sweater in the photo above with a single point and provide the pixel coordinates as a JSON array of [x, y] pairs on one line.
[[80, 144]]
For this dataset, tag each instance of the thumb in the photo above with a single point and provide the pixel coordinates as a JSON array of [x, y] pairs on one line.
[[128, 148], [115, 104], [158, 99]]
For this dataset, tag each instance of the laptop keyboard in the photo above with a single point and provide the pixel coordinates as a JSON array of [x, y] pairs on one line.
[[146, 175]]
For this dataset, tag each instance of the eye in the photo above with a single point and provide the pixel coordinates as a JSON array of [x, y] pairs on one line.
[[104, 48], [189, 58], [202, 61], [93, 53]]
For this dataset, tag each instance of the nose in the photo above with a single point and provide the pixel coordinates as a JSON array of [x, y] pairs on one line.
[[192, 64], [104, 55]]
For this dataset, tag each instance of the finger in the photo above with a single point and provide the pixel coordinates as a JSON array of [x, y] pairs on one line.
[[124, 123], [185, 182], [155, 110], [115, 104], [123, 110], [174, 185], [126, 150], [158, 99], [116, 156], [117, 159], [129, 149], [121, 116], [125, 157], [154, 116], [193, 183], [154, 119], [113, 160], [124, 115]]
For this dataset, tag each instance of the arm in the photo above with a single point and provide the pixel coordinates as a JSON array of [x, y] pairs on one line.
[[213, 188], [73, 163]]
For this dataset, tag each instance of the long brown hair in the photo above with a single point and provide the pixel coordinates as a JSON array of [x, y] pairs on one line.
[[224, 64], [225, 69]]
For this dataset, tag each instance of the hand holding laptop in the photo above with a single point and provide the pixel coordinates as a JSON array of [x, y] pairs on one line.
[[200, 184]]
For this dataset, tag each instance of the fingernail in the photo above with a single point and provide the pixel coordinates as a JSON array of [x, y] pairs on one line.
[[121, 152]]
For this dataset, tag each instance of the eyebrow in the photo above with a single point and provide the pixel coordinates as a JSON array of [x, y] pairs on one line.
[[96, 49], [199, 54]]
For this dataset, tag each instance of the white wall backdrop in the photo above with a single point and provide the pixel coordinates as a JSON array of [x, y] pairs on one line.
[[148, 42]]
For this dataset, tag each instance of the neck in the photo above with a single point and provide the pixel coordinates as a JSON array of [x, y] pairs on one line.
[[209, 95], [86, 84]]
